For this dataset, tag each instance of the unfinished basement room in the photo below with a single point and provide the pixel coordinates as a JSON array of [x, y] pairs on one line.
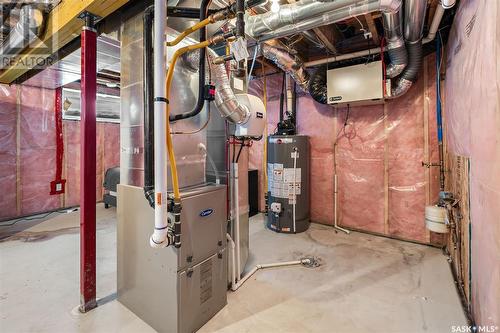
[[250, 166]]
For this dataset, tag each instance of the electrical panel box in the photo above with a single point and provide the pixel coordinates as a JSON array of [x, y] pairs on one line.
[[359, 84]]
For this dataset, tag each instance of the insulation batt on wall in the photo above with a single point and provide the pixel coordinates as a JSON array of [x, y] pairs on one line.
[[383, 187], [472, 120], [28, 152]]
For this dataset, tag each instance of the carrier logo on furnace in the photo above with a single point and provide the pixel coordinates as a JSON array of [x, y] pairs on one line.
[[206, 212]]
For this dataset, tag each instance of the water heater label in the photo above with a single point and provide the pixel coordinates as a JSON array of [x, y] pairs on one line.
[[283, 182]]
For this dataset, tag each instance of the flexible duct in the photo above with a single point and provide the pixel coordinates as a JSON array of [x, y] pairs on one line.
[[414, 17], [26, 31], [317, 85], [225, 100], [306, 14], [289, 63]]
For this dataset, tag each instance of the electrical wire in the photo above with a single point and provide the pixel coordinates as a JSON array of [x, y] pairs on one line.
[[36, 217], [199, 129], [239, 152]]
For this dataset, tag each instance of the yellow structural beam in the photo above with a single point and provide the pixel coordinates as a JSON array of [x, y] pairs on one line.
[[63, 25]]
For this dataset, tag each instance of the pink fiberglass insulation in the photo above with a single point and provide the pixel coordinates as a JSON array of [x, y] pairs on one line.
[[28, 156], [360, 167], [8, 151], [72, 162], [376, 141], [472, 119], [37, 150], [108, 156]]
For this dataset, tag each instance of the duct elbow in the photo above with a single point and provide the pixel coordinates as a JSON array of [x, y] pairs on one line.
[[230, 108], [399, 61], [390, 6], [288, 63], [317, 85], [401, 88]]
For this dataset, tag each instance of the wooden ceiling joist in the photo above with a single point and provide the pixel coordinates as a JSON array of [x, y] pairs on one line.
[[63, 25]]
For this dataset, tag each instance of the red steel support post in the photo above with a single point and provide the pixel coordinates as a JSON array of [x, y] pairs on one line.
[[88, 169]]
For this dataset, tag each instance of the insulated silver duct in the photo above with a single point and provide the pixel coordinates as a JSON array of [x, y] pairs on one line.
[[225, 100], [308, 14], [396, 49], [414, 17], [288, 63], [26, 30], [259, 26]]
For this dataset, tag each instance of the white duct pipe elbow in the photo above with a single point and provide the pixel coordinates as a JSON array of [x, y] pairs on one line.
[[160, 237]]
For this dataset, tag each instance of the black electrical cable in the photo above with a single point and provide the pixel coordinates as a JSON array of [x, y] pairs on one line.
[[37, 217], [200, 102], [239, 152]]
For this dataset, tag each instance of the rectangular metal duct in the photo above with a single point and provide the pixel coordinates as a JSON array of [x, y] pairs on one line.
[[68, 69]]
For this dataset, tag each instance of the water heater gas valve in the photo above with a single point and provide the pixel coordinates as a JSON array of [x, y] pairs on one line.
[[276, 208]]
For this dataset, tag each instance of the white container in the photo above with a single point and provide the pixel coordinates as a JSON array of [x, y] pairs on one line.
[[436, 219]]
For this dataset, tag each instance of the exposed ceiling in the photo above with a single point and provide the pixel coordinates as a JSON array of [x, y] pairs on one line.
[[68, 69], [352, 35]]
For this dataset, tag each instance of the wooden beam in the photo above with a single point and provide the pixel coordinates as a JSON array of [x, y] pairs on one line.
[[326, 37], [63, 25], [373, 29]]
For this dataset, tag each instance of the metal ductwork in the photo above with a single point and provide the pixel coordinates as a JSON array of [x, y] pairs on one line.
[[225, 99], [396, 49], [308, 14], [27, 29], [414, 17], [289, 63]]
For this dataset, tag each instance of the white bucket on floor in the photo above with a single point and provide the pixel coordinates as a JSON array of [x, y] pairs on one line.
[[436, 219]]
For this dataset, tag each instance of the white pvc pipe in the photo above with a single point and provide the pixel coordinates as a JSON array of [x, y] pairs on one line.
[[236, 219], [160, 238], [271, 265], [335, 205], [436, 20], [233, 262]]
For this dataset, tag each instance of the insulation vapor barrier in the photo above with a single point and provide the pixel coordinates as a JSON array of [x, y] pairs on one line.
[[28, 152], [383, 187], [472, 121]]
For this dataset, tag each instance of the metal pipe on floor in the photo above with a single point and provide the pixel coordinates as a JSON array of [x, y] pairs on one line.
[[88, 166]]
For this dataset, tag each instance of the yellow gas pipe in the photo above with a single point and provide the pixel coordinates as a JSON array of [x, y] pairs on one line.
[[170, 74]]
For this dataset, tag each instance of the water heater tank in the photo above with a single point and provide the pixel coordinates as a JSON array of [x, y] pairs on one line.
[[288, 183]]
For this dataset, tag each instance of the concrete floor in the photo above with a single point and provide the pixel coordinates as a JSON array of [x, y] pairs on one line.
[[364, 284]]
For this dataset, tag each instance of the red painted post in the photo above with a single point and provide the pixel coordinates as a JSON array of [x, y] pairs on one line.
[[88, 169]]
